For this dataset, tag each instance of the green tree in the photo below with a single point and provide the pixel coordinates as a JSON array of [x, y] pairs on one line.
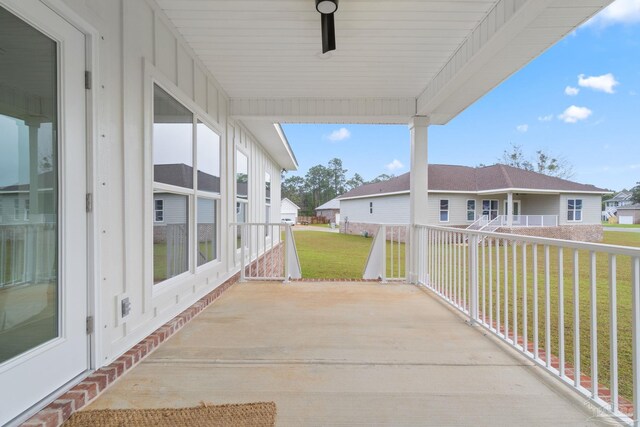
[[380, 178], [355, 181], [635, 193], [338, 176], [542, 162]]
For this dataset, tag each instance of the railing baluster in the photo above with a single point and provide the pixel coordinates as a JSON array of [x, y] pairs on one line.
[[498, 284], [594, 328], [613, 332], [536, 346], [514, 268], [547, 308], [506, 288], [490, 245], [484, 295], [525, 312], [561, 312], [465, 277], [635, 310], [576, 318]]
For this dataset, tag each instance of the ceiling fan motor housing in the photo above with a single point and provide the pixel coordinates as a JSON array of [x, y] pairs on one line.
[[327, 9], [326, 6]]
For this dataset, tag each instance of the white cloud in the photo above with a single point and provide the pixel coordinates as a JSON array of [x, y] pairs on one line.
[[339, 135], [394, 165], [571, 91], [546, 118], [603, 83], [620, 11], [573, 114], [522, 128]]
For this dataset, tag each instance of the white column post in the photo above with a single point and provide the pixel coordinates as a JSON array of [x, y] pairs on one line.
[[418, 186], [509, 209]]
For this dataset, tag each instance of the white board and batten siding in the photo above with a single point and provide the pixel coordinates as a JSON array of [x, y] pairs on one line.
[[135, 45]]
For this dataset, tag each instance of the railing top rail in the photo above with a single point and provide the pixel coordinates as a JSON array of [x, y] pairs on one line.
[[572, 244], [258, 223]]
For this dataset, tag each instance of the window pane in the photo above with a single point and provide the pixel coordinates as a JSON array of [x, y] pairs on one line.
[[444, 216], [208, 159], [444, 204], [494, 205], [579, 204], [570, 215], [159, 210], [241, 217], [571, 204], [172, 140], [242, 176], [486, 205], [28, 188], [578, 215], [207, 230], [171, 238], [471, 215], [267, 187], [471, 205]]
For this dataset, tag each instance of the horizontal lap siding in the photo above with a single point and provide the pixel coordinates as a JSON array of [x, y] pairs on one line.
[[386, 210]]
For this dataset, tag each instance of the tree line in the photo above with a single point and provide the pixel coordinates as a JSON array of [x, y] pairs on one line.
[[322, 183]]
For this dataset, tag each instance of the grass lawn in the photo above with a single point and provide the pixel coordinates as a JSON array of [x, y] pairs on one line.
[[339, 256], [606, 224], [320, 225]]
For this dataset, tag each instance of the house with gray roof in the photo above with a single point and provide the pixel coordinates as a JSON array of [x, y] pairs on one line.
[[501, 197], [623, 198], [330, 210]]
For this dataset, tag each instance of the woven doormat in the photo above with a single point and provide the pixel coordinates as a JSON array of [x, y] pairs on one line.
[[262, 414]]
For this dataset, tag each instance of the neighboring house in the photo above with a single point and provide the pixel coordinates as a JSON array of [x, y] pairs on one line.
[[289, 210], [611, 206], [330, 210], [629, 214], [461, 195]]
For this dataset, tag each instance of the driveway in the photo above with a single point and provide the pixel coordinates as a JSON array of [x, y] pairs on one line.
[[621, 229], [314, 228]]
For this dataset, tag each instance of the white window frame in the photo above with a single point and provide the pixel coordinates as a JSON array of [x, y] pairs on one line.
[[156, 210], [440, 210], [235, 189], [497, 210], [475, 207], [267, 201], [153, 77], [16, 208], [370, 208], [574, 210]]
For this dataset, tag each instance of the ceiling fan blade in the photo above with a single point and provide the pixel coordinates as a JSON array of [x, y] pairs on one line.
[[328, 33]]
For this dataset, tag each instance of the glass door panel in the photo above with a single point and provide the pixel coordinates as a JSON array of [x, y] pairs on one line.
[[28, 188]]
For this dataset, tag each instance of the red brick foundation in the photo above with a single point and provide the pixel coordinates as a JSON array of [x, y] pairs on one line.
[[84, 392]]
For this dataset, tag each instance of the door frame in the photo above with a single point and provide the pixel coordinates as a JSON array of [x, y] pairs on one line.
[[91, 46]]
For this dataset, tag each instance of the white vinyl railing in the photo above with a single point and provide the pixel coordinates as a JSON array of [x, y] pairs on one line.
[[266, 251], [479, 223], [28, 253], [387, 258], [571, 307], [521, 221]]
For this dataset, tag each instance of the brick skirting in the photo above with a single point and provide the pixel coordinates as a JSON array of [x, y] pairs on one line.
[[88, 389]]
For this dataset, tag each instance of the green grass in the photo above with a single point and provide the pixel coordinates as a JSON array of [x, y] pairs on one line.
[[340, 256], [320, 225], [606, 224]]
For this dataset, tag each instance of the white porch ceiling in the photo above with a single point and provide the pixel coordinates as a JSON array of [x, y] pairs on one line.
[[394, 58]]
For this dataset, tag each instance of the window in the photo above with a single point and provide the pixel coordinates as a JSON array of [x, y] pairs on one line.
[[16, 209], [370, 207], [182, 195], [471, 210], [242, 192], [267, 199], [490, 209], [444, 210], [574, 210], [158, 210]]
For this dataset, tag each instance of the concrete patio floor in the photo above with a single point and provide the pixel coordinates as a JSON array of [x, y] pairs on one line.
[[346, 354]]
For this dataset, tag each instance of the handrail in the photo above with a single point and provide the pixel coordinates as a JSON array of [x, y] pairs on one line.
[[507, 283], [385, 260], [263, 254]]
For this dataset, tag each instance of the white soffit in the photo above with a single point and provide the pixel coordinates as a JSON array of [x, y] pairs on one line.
[[394, 59]]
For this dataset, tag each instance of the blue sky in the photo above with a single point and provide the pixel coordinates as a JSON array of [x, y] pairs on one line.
[[579, 100]]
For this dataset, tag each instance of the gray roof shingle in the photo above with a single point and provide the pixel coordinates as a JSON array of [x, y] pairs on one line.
[[471, 179]]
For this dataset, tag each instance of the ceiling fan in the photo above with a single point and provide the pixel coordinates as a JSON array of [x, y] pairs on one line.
[[327, 8]]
